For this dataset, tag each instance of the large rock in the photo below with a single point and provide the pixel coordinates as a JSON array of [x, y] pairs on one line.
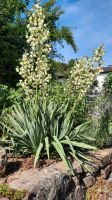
[[48, 184], [53, 185], [106, 171], [3, 161], [102, 157], [89, 181]]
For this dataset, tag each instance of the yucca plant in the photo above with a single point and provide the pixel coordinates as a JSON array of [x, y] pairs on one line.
[[40, 127]]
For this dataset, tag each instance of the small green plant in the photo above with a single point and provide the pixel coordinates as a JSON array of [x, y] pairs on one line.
[[18, 195], [5, 190], [11, 194]]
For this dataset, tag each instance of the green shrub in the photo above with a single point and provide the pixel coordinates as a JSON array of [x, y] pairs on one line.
[[108, 89], [100, 122], [59, 96], [108, 85], [15, 95], [8, 96], [43, 129], [4, 93]]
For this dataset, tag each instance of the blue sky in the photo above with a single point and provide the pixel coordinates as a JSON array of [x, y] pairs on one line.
[[91, 24]]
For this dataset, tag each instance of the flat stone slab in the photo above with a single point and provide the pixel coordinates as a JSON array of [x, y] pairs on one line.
[[106, 171], [102, 157], [89, 180], [60, 166], [26, 180]]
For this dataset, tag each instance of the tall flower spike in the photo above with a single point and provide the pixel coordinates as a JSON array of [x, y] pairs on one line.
[[84, 73], [34, 64]]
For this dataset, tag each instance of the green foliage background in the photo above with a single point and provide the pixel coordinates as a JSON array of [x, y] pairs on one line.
[[108, 85], [12, 38]]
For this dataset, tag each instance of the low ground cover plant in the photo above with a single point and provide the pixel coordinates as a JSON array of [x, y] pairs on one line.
[[11, 194]]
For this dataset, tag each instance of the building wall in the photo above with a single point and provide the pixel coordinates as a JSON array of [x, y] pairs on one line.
[[100, 79]]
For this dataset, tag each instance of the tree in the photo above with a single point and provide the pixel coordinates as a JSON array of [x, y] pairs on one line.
[[12, 35], [57, 34], [71, 62], [12, 38]]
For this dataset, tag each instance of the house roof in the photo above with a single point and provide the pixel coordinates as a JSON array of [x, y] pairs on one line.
[[63, 69], [107, 69]]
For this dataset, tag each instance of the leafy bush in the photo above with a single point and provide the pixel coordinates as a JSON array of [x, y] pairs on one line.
[[58, 95], [4, 93], [41, 128], [8, 96], [15, 95]]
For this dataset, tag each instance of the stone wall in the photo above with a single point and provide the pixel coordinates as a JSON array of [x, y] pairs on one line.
[[56, 183]]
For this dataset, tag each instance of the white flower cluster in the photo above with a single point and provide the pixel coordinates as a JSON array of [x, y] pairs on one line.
[[34, 63], [84, 73], [98, 55]]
